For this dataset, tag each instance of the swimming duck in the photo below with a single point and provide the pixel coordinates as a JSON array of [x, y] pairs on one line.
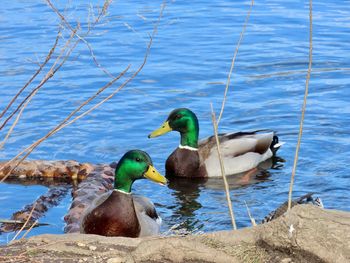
[[241, 151], [120, 213]]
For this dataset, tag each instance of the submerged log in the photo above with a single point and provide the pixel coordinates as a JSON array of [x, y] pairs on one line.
[[46, 169], [99, 181], [57, 175], [52, 198]]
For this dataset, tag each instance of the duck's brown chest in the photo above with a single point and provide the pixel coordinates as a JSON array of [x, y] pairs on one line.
[[185, 163], [116, 216]]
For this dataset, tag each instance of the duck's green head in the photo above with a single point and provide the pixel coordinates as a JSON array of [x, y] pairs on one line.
[[184, 121], [134, 165]]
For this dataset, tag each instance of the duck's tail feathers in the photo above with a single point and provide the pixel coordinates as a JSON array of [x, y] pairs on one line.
[[275, 144], [318, 202]]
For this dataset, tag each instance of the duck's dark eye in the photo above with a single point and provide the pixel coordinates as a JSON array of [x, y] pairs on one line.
[[178, 116], [138, 159]]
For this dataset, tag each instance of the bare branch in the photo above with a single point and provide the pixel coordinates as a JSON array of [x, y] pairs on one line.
[[29, 149]]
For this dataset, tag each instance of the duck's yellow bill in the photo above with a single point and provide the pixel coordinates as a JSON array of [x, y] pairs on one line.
[[155, 176], [162, 130]]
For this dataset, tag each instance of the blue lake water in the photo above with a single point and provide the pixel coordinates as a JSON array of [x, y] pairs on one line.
[[187, 67]]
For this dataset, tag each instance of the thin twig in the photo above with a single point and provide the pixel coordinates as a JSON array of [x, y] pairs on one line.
[[132, 77], [302, 111], [25, 224], [13, 125], [19, 222], [227, 190], [52, 71], [234, 59], [48, 57], [30, 148], [26, 101], [29, 229], [64, 20], [48, 76]]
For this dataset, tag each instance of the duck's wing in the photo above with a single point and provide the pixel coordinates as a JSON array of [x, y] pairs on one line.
[[239, 143], [240, 151], [147, 215]]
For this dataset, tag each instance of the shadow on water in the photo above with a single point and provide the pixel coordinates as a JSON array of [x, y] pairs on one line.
[[187, 192]]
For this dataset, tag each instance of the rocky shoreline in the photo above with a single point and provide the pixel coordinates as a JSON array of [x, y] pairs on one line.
[[305, 234]]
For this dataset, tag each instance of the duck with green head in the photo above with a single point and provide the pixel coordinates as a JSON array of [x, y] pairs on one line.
[[120, 213], [241, 151]]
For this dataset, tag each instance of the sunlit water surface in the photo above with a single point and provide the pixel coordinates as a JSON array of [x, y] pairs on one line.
[[187, 67]]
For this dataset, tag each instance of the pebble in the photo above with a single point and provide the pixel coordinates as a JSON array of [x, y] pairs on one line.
[[115, 260], [286, 260], [92, 248], [81, 244]]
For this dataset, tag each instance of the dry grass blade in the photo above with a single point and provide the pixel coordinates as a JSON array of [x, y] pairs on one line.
[[48, 57], [29, 229], [233, 61], [302, 111], [252, 220], [25, 224], [227, 190]]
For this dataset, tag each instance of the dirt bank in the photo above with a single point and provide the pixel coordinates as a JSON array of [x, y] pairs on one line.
[[306, 234]]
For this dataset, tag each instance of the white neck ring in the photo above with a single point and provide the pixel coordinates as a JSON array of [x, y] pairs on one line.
[[121, 191], [187, 147]]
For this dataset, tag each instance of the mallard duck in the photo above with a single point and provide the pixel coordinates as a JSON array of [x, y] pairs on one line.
[[241, 151], [120, 213], [305, 199]]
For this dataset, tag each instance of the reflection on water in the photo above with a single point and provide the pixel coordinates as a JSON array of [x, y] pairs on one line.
[[186, 202], [186, 192]]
